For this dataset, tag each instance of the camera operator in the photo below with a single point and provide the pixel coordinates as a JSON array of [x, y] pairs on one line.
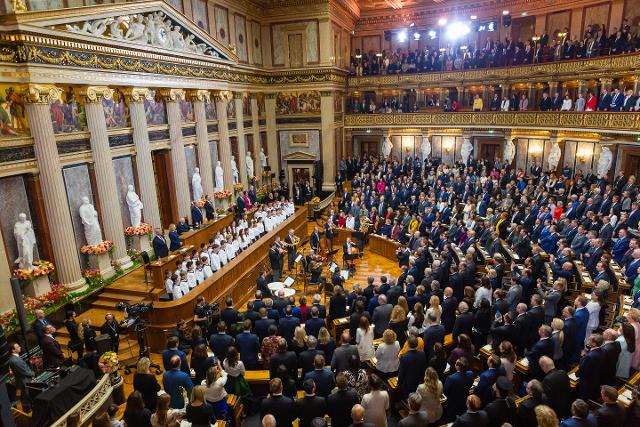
[[184, 342], [113, 329], [200, 315]]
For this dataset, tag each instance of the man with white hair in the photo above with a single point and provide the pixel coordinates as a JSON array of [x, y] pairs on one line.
[[464, 321], [381, 316]]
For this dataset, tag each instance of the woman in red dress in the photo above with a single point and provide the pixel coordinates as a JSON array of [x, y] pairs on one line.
[[591, 102]]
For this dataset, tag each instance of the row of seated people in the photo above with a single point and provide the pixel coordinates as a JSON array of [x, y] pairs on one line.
[[595, 42]]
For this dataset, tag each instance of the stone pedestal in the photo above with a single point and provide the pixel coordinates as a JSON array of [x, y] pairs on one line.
[[103, 263], [38, 286], [141, 243]]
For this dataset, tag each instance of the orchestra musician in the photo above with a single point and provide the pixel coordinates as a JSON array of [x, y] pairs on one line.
[[290, 243], [275, 258], [328, 231], [314, 240], [348, 249], [316, 271]]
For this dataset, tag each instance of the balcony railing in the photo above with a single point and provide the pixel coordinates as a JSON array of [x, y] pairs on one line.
[[613, 122], [600, 67]]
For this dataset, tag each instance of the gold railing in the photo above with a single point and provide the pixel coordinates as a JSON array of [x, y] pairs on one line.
[[600, 67], [616, 122]]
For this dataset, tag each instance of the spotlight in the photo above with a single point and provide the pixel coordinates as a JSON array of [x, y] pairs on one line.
[[416, 36], [457, 29], [473, 17], [505, 12], [442, 22], [523, 14], [402, 36], [432, 34], [413, 24]]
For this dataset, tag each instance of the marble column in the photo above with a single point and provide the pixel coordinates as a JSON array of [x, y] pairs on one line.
[[113, 227], [242, 143], [487, 96], [178, 158], [531, 94], [272, 134], [461, 102], [144, 161], [224, 147], [605, 83], [67, 262], [553, 88], [583, 87], [255, 150], [198, 98], [328, 143], [636, 85]]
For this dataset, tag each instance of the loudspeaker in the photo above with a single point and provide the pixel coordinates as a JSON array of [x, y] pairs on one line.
[[5, 353], [17, 298], [103, 344]]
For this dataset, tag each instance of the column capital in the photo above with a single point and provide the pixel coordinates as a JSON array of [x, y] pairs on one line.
[[173, 95], [95, 94], [199, 95], [326, 93], [238, 95], [270, 95], [40, 94], [605, 80], [222, 95], [137, 94]]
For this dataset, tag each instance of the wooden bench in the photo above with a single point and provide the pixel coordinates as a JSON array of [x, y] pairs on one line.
[[339, 325], [237, 409]]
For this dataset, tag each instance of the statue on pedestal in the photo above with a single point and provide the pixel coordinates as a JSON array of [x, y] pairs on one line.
[[135, 207], [466, 150], [604, 162], [509, 151], [249, 161], [234, 169], [263, 158], [554, 156], [387, 146], [26, 239], [196, 184], [219, 177], [89, 215], [425, 148]]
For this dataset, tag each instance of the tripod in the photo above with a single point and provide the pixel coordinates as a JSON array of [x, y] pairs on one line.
[[141, 331]]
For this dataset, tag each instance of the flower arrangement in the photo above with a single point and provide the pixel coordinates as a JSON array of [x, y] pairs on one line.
[[109, 362], [221, 195], [99, 249], [56, 297], [40, 268], [36, 362], [140, 230], [237, 187], [91, 273], [315, 200], [199, 203]]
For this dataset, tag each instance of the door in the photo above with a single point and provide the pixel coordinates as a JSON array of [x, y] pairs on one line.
[[301, 174], [165, 188], [490, 151], [369, 148], [632, 165]]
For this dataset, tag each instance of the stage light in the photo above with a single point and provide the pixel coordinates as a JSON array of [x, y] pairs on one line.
[[402, 36], [432, 34], [413, 24], [505, 12], [523, 14], [442, 22], [473, 17], [457, 29], [416, 36], [379, 55]]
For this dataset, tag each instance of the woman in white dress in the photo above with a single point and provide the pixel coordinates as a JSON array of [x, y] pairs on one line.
[[376, 403], [364, 339], [434, 308], [431, 392], [593, 307], [627, 341], [387, 361]]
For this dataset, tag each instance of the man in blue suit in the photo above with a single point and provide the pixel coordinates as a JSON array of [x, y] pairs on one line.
[[322, 377], [544, 347], [174, 239], [248, 345], [632, 268], [616, 100], [590, 370], [434, 333], [159, 244], [580, 416], [456, 388], [412, 366], [549, 243], [604, 103], [196, 214], [172, 350], [288, 324], [313, 325], [621, 246], [484, 389], [581, 317]]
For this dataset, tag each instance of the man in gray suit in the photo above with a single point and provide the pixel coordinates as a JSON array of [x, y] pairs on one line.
[[342, 355], [579, 241], [416, 417], [551, 299], [514, 295], [21, 371], [381, 316]]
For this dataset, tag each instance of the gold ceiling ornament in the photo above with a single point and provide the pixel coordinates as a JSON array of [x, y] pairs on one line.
[[41, 94], [137, 94], [199, 95], [96, 93], [19, 6], [173, 95]]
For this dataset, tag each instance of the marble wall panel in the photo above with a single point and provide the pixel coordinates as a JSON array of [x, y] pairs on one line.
[[570, 153], [123, 169], [256, 44], [200, 15], [312, 137], [557, 21], [213, 149], [77, 181], [521, 154], [176, 4], [45, 4], [13, 193], [241, 37], [192, 163], [222, 24]]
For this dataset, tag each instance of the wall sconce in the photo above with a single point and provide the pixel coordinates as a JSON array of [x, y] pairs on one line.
[[583, 155], [535, 151], [447, 145]]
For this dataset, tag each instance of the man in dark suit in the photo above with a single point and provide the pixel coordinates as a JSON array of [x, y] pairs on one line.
[[557, 387], [275, 259], [611, 351], [240, 205], [315, 323], [604, 103], [456, 388], [282, 408], [464, 321], [590, 370], [474, 415], [342, 355], [484, 388], [503, 408], [536, 318], [286, 358], [229, 315], [288, 324], [611, 413], [306, 358], [310, 406], [159, 244], [546, 104], [340, 403], [416, 417], [357, 417], [113, 329], [21, 371], [449, 306], [263, 324], [580, 416], [525, 413], [172, 350], [434, 333], [412, 366], [321, 376], [39, 324], [544, 347], [52, 355], [209, 209], [221, 341], [248, 346], [262, 284]]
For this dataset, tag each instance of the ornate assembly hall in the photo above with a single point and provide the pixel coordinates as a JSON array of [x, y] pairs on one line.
[[313, 213]]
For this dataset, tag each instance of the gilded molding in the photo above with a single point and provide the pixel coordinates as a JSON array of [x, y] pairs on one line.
[[270, 95], [41, 94], [223, 96], [199, 95], [173, 95], [238, 95], [615, 122], [137, 94], [95, 93]]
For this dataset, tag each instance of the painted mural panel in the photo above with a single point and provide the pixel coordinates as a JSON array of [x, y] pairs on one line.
[[67, 114], [597, 14], [298, 102], [222, 24], [231, 109], [210, 109], [13, 117], [246, 106], [155, 110], [116, 113], [558, 21], [45, 4], [186, 111], [13, 193], [123, 168], [200, 15], [261, 109], [241, 37]]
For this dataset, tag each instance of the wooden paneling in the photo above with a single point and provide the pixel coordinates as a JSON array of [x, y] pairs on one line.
[[383, 246]]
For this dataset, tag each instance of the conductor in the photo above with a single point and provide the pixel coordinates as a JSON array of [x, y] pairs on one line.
[[275, 258]]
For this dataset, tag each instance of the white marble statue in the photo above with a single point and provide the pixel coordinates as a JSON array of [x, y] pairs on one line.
[[263, 158], [89, 215], [425, 147], [604, 162], [196, 184], [135, 207], [234, 169], [466, 150], [387, 146], [509, 151], [249, 161], [219, 177], [554, 156], [26, 239]]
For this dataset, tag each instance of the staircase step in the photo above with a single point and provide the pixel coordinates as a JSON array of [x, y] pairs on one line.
[[118, 296]]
